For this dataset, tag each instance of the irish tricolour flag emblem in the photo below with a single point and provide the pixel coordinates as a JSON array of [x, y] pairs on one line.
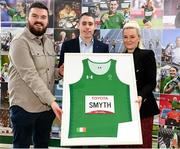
[[81, 129]]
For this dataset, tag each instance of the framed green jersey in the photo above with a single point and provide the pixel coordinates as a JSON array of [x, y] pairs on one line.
[[99, 100]]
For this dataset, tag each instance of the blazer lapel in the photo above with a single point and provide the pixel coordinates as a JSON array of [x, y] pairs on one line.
[[136, 55], [95, 47], [76, 46]]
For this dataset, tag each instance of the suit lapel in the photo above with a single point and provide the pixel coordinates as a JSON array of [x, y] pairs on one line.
[[136, 55], [95, 47], [76, 46]]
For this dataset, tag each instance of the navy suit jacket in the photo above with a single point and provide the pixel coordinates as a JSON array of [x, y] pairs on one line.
[[72, 46], [145, 71]]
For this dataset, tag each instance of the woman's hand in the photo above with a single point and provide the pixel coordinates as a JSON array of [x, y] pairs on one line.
[[139, 101]]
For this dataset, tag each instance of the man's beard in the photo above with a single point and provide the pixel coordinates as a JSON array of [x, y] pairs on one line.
[[35, 31]]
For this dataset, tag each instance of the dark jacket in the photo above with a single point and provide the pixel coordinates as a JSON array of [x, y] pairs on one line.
[[145, 70], [72, 46]]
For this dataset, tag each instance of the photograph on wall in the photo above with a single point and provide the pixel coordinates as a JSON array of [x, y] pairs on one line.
[[170, 80], [169, 121], [13, 13], [108, 14], [61, 35], [67, 13], [113, 38], [170, 62], [5, 124], [168, 137], [171, 50], [171, 18], [4, 82], [7, 35], [169, 110], [152, 40], [100, 94], [148, 13]]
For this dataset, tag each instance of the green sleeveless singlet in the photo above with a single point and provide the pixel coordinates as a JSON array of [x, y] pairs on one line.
[[98, 101], [148, 13]]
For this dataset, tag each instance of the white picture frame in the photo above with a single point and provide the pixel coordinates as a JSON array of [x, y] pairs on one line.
[[128, 132]]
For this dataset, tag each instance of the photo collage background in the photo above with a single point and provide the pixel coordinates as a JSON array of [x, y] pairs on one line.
[[162, 36]]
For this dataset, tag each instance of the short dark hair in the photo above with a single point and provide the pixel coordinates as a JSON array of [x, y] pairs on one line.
[[174, 67], [86, 14], [38, 5]]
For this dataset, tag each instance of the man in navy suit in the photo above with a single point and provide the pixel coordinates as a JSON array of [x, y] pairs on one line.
[[85, 43]]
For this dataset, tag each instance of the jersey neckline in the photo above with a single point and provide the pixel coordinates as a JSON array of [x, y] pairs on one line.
[[93, 62]]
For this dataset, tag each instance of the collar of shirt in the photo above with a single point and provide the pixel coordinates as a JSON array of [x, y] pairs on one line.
[[84, 47], [32, 36]]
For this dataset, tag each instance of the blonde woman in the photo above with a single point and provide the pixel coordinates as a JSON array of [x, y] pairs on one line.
[[145, 70]]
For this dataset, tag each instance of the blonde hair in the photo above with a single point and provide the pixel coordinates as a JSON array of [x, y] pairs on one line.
[[134, 25]]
